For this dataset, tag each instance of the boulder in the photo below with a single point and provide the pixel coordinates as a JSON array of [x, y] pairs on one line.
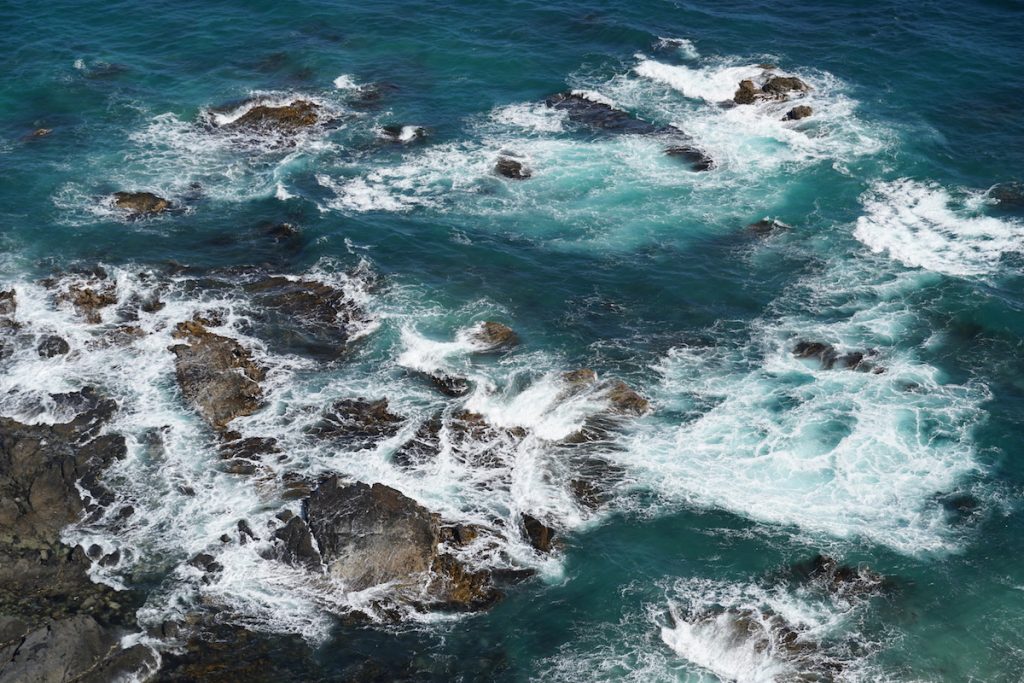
[[90, 297], [296, 545], [602, 116], [781, 86], [747, 93], [306, 316], [540, 535], [449, 385], [830, 358], [798, 112], [823, 353], [373, 535], [287, 118], [693, 157], [511, 168], [827, 573], [625, 400], [358, 423], [140, 203], [8, 302], [580, 379], [766, 227], [494, 336], [52, 345], [216, 374]]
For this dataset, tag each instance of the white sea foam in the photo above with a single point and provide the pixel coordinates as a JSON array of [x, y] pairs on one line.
[[922, 226], [835, 452], [684, 47], [533, 116], [714, 84], [594, 96], [345, 82]]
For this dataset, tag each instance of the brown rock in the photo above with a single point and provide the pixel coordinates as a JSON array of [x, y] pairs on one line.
[[140, 203], [799, 112], [217, 375], [540, 535], [495, 335], [510, 168], [747, 93], [781, 86], [290, 117], [625, 400]]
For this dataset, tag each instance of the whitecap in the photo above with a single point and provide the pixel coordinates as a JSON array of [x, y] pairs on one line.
[[921, 225]]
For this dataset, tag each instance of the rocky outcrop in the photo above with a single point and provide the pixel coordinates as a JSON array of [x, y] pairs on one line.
[[493, 336], [52, 345], [830, 358], [766, 227], [216, 374], [302, 315], [372, 535], [774, 88], [89, 297], [138, 204], [540, 535], [625, 400], [693, 157], [602, 116], [8, 302], [512, 168], [286, 118], [828, 574], [404, 134], [799, 112], [1008, 195], [358, 423], [55, 623]]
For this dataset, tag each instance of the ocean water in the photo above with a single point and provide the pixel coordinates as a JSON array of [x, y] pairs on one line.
[[612, 256]]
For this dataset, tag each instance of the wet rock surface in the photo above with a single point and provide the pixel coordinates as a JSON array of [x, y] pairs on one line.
[[799, 112], [216, 374], [286, 118], [371, 535], [358, 423], [512, 168], [138, 204], [55, 623], [603, 117], [494, 336]]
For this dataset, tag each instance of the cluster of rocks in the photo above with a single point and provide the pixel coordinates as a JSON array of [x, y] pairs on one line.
[[774, 88], [55, 623], [830, 357]]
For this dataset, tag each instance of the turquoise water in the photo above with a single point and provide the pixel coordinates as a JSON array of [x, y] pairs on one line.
[[612, 256]]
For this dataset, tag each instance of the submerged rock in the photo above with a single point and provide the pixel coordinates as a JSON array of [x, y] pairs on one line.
[[289, 118], [358, 423], [766, 227], [8, 302], [602, 116], [830, 358], [90, 297], [141, 203], [834, 577], [696, 159], [217, 375], [304, 315], [511, 168], [52, 345], [403, 134], [1008, 195], [799, 112]]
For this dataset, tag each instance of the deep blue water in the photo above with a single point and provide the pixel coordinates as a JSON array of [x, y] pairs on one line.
[[612, 256]]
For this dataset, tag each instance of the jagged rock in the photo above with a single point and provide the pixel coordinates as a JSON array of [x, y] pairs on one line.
[[60, 650], [304, 315], [799, 112], [370, 535], [244, 456], [494, 335], [397, 133], [141, 203], [747, 93], [89, 299], [449, 385], [603, 116], [830, 358], [51, 345], [289, 118], [540, 535], [358, 422], [423, 447], [41, 469], [511, 168], [781, 86], [766, 227], [824, 353], [834, 577], [8, 302], [625, 400], [217, 375], [696, 159], [296, 545]]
